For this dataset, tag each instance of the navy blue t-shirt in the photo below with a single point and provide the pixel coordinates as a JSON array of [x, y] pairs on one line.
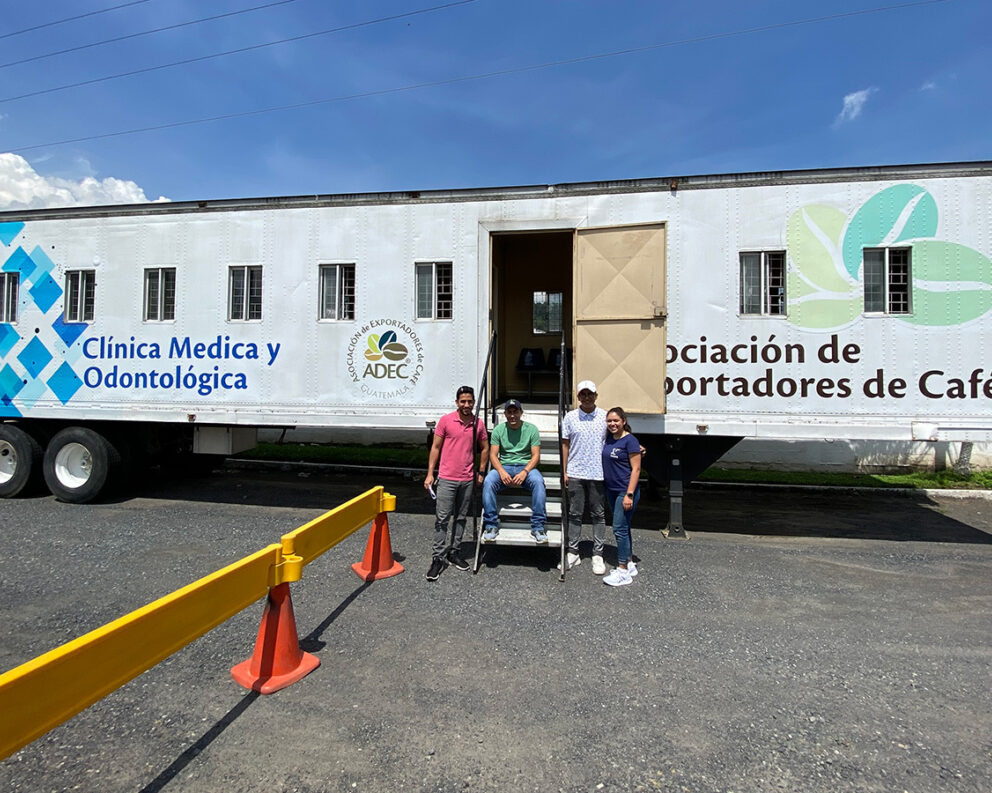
[[616, 461]]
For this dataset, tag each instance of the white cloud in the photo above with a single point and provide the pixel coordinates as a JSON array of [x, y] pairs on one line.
[[929, 85], [21, 187], [853, 105]]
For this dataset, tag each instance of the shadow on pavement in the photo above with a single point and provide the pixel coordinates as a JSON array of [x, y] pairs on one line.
[[310, 643], [176, 767], [773, 512]]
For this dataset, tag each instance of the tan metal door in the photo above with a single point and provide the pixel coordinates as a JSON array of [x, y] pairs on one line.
[[620, 310]]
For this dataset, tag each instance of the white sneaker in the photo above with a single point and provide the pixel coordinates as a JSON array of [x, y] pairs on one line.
[[598, 565], [571, 560], [631, 568], [618, 578]]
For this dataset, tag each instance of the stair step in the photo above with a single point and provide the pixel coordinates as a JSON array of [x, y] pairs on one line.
[[517, 510], [508, 535]]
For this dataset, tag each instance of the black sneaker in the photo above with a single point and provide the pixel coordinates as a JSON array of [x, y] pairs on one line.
[[437, 565], [455, 560]]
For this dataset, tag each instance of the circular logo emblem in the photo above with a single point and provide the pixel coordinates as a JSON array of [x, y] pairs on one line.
[[385, 358]]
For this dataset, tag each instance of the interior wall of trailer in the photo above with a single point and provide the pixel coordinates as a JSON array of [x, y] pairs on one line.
[[522, 265]]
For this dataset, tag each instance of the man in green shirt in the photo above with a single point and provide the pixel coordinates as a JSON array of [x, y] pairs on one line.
[[514, 452]]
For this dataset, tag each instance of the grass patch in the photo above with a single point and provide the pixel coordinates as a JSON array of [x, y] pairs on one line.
[[917, 480], [399, 456], [416, 457]]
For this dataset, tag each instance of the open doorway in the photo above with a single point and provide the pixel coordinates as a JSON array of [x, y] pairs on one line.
[[532, 312]]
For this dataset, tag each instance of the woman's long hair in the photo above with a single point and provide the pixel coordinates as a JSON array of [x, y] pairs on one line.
[[623, 417]]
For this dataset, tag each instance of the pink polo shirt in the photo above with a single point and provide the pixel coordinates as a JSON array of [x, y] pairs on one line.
[[457, 463]]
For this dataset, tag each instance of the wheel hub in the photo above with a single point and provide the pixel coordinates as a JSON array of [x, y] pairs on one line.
[[73, 465], [8, 462]]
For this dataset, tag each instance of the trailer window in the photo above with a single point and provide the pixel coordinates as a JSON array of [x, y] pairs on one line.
[[8, 297], [80, 295], [434, 290], [887, 281], [245, 293], [547, 312], [160, 294], [763, 283], [337, 291]]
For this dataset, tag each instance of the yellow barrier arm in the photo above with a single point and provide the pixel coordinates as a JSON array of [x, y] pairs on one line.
[[44, 692], [314, 538]]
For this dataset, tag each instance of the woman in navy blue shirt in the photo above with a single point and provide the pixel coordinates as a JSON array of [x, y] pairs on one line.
[[621, 473]]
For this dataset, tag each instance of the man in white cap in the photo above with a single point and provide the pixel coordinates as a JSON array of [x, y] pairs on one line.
[[583, 432]]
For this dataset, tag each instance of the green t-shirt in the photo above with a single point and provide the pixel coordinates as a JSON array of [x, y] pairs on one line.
[[515, 445]]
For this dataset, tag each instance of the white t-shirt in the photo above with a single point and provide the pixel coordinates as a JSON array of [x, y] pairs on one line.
[[585, 433]]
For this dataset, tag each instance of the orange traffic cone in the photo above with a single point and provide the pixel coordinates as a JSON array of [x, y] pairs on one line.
[[378, 562], [278, 660]]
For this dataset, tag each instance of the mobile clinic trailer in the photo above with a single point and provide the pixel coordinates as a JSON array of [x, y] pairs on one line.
[[822, 304]]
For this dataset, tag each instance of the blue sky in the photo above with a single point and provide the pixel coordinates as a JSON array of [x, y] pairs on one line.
[[903, 85]]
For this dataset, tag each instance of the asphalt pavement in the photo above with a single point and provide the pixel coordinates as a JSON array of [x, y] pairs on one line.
[[801, 641]]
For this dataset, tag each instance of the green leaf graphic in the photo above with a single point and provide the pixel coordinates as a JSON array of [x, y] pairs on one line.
[[796, 287], [878, 216], [825, 313], [809, 232], [922, 221], [942, 266]]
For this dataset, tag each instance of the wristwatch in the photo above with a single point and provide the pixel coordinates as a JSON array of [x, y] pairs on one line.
[[630, 495]]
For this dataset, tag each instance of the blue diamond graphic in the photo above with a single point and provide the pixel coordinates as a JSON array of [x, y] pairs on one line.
[[41, 260], [10, 385], [45, 292], [34, 357], [20, 262], [8, 231], [68, 331], [64, 383], [8, 338], [31, 393]]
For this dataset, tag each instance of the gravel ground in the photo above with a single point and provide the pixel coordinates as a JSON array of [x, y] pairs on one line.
[[808, 642]]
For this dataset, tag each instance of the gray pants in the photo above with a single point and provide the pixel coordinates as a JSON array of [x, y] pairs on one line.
[[452, 500], [582, 493]]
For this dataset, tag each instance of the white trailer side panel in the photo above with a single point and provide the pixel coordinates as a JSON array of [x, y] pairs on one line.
[[811, 373]]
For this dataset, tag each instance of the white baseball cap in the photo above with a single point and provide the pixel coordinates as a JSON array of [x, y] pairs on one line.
[[586, 385]]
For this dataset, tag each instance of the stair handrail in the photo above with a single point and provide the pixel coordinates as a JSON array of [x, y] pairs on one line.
[[562, 461], [481, 407]]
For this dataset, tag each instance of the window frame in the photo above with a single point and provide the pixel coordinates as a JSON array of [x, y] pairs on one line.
[[547, 303], [162, 297], [82, 294], [246, 302], [442, 303], [9, 297], [766, 284], [344, 303], [888, 280]]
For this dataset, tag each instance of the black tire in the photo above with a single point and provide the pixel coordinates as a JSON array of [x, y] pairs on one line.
[[20, 461], [80, 464]]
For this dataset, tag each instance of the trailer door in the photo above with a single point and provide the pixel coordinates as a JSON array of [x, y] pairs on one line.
[[620, 310]]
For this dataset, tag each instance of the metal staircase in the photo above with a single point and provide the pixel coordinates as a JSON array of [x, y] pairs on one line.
[[514, 502]]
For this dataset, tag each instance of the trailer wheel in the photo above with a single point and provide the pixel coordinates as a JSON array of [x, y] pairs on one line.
[[79, 464], [20, 461]]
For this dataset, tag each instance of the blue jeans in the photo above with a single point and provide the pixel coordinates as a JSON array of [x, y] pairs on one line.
[[493, 485], [621, 521]]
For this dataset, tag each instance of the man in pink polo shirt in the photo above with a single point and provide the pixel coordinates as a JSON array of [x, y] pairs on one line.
[[455, 436]]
